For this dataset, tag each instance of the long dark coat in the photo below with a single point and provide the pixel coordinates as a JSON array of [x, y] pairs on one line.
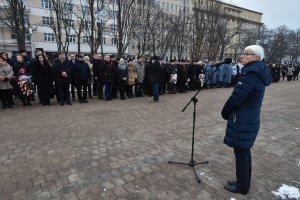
[[43, 78], [242, 109], [155, 73]]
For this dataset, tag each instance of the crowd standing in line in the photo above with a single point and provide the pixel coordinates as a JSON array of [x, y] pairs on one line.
[[109, 78]]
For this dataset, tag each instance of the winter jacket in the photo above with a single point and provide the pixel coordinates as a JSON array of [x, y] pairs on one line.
[[59, 67], [81, 71], [242, 109], [6, 71]]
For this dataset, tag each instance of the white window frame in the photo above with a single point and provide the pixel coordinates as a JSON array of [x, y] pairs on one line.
[[49, 37], [45, 4], [72, 38]]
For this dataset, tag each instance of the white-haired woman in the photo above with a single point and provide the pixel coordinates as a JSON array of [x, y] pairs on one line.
[[242, 112], [90, 82]]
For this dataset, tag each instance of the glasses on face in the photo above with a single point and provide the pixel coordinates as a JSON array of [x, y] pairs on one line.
[[248, 54]]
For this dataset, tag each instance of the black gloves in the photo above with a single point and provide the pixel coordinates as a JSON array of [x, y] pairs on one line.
[[227, 109], [225, 113]]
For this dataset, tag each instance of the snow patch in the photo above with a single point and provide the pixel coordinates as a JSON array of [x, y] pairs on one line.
[[287, 191]]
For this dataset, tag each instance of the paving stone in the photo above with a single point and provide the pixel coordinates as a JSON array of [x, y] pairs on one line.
[[120, 149]]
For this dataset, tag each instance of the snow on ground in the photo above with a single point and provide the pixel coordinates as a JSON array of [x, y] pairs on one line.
[[287, 191]]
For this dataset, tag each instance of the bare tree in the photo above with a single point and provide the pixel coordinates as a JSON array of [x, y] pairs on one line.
[[12, 14], [79, 24], [126, 23], [148, 16], [294, 45], [61, 22]]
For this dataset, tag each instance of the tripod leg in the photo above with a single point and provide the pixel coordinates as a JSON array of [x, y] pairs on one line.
[[180, 163], [198, 179], [206, 162]]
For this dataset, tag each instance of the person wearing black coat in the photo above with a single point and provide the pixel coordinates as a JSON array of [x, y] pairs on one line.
[[82, 74], [62, 71], [43, 78], [72, 63], [20, 68], [98, 73], [155, 77], [114, 64], [109, 77], [242, 112]]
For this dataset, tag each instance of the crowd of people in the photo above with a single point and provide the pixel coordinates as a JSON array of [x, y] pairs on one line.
[[110, 77]]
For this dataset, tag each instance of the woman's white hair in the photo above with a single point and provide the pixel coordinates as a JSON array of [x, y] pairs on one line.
[[257, 50], [86, 57]]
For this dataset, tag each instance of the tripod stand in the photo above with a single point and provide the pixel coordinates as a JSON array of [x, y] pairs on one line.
[[192, 163]]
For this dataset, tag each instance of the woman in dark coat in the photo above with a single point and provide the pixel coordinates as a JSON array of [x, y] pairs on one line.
[[43, 78], [22, 68], [242, 112]]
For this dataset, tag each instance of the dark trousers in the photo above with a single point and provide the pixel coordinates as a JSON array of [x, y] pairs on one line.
[[73, 85], [138, 89], [89, 89], [82, 85], [243, 168], [99, 87], [5, 96], [129, 91], [95, 87], [122, 88], [63, 92], [108, 90], [155, 91], [114, 89]]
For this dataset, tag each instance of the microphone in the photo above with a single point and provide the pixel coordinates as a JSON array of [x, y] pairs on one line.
[[226, 61]]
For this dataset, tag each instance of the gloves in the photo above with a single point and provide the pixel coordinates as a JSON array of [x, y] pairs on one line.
[[225, 113], [227, 109]]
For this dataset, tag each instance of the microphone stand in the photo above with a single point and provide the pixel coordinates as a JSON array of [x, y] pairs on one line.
[[192, 163]]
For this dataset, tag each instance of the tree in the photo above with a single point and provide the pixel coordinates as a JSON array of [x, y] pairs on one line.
[[126, 23], [12, 13], [61, 22]]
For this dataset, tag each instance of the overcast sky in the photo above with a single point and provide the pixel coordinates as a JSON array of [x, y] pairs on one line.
[[275, 12]]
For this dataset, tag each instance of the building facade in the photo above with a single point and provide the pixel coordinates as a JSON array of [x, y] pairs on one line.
[[41, 36]]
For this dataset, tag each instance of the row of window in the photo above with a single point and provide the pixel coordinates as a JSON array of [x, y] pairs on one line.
[[169, 6], [49, 37]]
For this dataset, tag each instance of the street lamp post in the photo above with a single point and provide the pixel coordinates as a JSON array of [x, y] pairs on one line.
[[31, 43]]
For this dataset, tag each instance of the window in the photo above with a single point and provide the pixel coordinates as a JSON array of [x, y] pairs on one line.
[[70, 23], [86, 10], [172, 7], [163, 4], [85, 39], [103, 40], [87, 25], [113, 28], [133, 46], [26, 19], [49, 37], [45, 3], [47, 20], [168, 6], [71, 38], [27, 36], [68, 7], [113, 41]]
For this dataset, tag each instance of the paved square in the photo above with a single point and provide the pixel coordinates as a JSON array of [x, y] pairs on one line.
[[120, 149]]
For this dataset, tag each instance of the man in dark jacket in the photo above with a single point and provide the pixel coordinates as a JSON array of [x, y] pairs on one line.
[[62, 71], [72, 63], [109, 77], [155, 77], [98, 73], [82, 74], [242, 112]]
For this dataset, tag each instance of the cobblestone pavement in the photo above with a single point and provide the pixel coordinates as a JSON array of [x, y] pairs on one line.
[[120, 149]]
